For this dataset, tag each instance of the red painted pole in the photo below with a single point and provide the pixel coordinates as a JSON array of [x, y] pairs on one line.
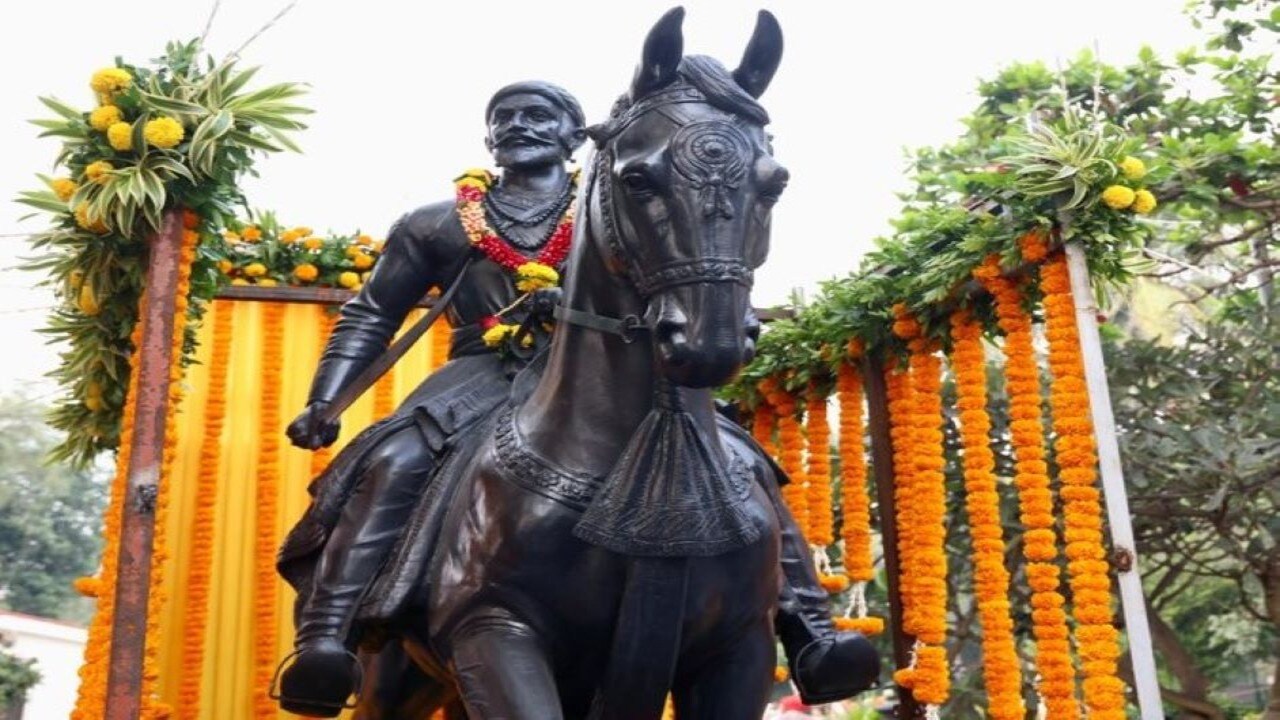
[[129, 624]]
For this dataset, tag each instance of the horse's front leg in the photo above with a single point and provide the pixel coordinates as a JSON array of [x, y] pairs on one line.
[[504, 671], [731, 685]]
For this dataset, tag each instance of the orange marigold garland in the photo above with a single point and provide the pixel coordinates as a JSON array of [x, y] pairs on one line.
[[791, 453], [859, 564], [818, 434], [931, 682], [1076, 455], [1036, 508], [91, 696], [900, 398], [194, 624], [265, 616], [1000, 668], [763, 423]]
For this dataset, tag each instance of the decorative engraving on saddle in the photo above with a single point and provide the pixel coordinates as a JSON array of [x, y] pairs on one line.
[[536, 474]]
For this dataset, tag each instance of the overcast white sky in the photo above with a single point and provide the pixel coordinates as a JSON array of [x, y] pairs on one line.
[[399, 90]]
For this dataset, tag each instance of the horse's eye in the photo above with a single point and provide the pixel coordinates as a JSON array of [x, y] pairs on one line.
[[637, 183]]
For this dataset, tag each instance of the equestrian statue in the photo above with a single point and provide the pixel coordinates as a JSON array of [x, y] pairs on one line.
[[558, 523]]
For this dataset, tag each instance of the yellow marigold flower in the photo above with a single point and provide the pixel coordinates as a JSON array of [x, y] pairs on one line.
[[496, 335], [120, 136], [231, 236], [364, 277], [254, 270], [306, 272], [1133, 168], [239, 281], [225, 266], [311, 243], [97, 170], [64, 188], [163, 132], [104, 116], [1143, 202], [251, 234], [110, 80], [536, 276], [93, 224], [302, 230], [1118, 197], [362, 261], [349, 279], [94, 403], [780, 674], [364, 240], [288, 236], [88, 300], [267, 282]]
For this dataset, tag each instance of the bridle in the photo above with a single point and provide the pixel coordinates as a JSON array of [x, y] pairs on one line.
[[709, 155]]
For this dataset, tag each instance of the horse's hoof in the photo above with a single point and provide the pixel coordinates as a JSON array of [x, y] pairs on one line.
[[320, 679], [835, 667]]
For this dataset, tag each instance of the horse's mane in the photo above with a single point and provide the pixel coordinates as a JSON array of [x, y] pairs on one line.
[[710, 78]]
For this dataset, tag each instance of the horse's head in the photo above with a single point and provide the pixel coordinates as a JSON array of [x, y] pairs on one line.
[[686, 183]]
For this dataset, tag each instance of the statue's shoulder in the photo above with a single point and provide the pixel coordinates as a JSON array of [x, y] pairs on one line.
[[432, 230]]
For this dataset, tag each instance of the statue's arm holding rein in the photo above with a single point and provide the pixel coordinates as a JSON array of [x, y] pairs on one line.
[[407, 270]]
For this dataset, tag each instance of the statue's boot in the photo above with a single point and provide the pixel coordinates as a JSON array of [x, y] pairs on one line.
[[826, 665], [322, 671]]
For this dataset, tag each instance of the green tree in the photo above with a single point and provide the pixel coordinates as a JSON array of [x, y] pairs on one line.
[[17, 676], [1193, 341], [50, 517]]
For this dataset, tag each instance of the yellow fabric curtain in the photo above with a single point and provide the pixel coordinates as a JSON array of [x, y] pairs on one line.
[[226, 668]]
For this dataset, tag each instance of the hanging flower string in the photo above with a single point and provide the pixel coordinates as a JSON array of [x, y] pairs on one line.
[[265, 586], [791, 455], [818, 493], [1000, 668], [931, 681], [859, 565], [763, 423], [91, 697], [195, 621], [530, 273], [1031, 478], [1076, 455], [898, 393]]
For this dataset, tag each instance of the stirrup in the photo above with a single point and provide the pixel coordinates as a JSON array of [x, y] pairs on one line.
[[274, 691]]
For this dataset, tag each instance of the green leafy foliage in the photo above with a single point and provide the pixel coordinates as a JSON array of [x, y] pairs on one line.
[[111, 200], [17, 676], [50, 518]]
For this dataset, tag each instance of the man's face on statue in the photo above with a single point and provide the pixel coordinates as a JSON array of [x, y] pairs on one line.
[[528, 130]]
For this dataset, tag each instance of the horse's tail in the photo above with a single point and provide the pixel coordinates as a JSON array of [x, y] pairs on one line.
[[646, 641]]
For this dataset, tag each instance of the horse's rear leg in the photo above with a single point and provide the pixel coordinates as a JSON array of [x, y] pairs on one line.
[[733, 685], [504, 672]]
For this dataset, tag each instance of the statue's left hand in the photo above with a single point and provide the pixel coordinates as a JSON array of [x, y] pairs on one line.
[[310, 430]]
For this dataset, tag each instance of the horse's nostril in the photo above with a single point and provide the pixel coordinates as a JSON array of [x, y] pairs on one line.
[[669, 331]]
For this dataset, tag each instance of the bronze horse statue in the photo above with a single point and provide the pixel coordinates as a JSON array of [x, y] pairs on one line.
[[607, 538]]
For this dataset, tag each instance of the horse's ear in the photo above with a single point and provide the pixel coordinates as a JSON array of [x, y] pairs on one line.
[[663, 49], [764, 52]]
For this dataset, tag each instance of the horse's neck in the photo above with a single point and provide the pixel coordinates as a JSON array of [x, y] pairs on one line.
[[596, 389]]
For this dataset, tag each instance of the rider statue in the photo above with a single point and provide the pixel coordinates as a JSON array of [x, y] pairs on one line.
[[497, 241]]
